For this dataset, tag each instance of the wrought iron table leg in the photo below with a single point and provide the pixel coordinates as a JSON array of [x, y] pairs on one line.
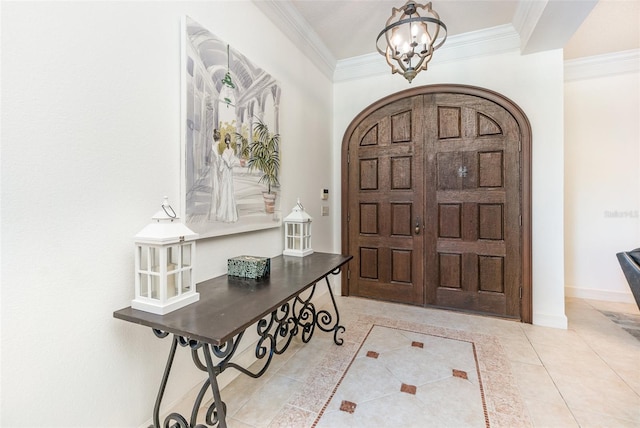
[[165, 377], [325, 316], [338, 327], [221, 410], [286, 322]]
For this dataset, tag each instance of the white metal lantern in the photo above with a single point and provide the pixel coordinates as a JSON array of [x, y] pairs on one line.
[[297, 232], [165, 255]]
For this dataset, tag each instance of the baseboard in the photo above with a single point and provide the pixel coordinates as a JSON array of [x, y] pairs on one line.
[[547, 320], [595, 294]]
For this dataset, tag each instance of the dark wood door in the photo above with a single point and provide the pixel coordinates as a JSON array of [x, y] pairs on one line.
[[433, 204], [386, 181], [473, 259]]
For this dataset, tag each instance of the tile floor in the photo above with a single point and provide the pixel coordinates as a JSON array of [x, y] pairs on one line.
[[585, 376]]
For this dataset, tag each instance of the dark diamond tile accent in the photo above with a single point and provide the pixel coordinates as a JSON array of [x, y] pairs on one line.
[[417, 344], [460, 373], [348, 406], [409, 389], [372, 354]]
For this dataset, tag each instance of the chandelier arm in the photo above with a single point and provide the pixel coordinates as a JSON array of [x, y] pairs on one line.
[[422, 63], [409, 20]]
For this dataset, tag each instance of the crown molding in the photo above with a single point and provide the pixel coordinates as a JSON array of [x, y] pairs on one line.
[[525, 19], [602, 65], [491, 41], [285, 16]]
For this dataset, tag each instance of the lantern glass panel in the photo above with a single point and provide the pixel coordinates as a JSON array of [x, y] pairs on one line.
[[154, 259], [155, 286], [296, 229], [172, 282], [173, 258], [144, 284], [142, 256], [186, 280], [186, 255]]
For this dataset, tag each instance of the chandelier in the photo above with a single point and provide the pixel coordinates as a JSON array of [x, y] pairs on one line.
[[227, 84], [411, 35]]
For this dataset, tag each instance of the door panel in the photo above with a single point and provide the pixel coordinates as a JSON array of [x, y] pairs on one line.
[[386, 203], [475, 205]]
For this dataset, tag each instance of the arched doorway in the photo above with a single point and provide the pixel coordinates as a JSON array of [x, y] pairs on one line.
[[436, 201]]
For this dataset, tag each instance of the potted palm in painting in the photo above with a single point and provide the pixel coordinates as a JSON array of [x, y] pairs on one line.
[[265, 157]]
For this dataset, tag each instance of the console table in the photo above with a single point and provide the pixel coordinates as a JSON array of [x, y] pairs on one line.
[[280, 305]]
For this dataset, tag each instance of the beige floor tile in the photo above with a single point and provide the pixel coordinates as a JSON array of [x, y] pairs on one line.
[[588, 419], [535, 383], [565, 339], [519, 349], [395, 410], [452, 402], [234, 423], [382, 340], [551, 414], [363, 382], [293, 417], [611, 397], [306, 357], [564, 361], [625, 308], [413, 366], [266, 402], [585, 376]]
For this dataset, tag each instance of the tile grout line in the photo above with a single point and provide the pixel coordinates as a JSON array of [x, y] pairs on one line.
[[555, 385]]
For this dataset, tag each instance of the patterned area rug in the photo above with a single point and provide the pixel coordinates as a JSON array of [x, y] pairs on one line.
[[471, 385], [629, 322]]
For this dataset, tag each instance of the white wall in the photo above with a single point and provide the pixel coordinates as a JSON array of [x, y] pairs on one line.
[[534, 82], [90, 145], [602, 181]]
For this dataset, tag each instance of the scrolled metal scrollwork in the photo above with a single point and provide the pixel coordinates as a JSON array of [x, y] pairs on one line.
[[212, 414], [191, 343], [227, 349], [325, 319], [276, 332], [306, 319], [159, 333], [175, 420]]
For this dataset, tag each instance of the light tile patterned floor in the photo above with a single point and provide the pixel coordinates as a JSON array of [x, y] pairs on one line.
[[414, 376], [585, 376]]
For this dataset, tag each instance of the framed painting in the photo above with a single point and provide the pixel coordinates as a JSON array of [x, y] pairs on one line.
[[230, 138]]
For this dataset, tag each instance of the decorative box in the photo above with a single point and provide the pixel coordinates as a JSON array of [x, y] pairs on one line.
[[249, 267]]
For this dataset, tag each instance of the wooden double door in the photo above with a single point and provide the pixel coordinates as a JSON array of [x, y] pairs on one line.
[[433, 209]]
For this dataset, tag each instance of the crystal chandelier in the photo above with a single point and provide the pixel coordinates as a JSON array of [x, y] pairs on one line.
[[412, 33]]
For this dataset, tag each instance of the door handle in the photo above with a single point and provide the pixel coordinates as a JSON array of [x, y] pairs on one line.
[[417, 230]]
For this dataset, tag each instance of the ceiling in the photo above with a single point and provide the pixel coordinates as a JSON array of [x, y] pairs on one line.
[[347, 29]]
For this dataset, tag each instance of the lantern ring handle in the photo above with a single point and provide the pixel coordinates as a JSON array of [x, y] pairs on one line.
[[172, 214]]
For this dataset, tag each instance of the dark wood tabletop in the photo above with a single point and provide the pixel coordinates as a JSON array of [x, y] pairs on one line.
[[228, 305]]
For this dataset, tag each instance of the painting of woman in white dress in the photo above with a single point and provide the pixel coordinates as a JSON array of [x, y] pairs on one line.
[[224, 97], [227, 210]]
